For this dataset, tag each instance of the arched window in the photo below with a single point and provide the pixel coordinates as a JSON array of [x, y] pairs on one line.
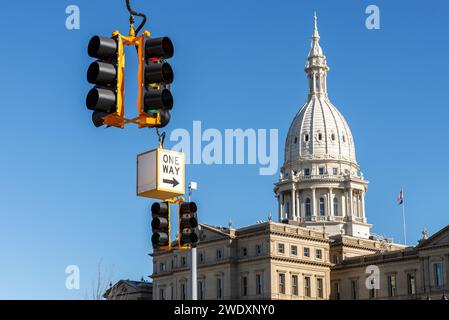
[[333, 136], [320, 136], [306, 137], [308, 208], [335, 206], [322, 212]]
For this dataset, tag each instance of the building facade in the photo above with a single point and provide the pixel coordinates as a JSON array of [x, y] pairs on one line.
[[321, 247]]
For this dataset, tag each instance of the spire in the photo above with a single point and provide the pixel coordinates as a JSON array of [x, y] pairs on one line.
[[316, 66], [316, 35]]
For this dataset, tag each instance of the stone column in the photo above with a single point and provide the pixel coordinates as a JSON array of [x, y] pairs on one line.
[[282, 205], [313, 204], [351, 203], [363, 206], [446, 267], [331, 203], [279, 207], [298, 205], [293, 203], [426, 273]]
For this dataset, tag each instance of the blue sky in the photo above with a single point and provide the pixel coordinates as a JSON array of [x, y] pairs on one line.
[[67, 189]]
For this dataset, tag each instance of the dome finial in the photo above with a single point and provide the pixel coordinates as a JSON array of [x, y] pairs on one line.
[[316, 35]]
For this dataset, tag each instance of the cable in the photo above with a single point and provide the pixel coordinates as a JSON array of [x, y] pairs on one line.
[[139, 14]]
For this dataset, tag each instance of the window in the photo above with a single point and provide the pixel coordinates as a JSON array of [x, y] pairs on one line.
[[438, 274], [281, 248], [259, 249], [307, 286], [334, 171], [411, 284], [343, 138], [183, 291], [219, 254], [336, 206], [296, 140], [306, 252], [354, 289], [161, 294], [336, 292], [282, 283], [308, 208], [333, 136], [201, 257], [318, 254], [321, 171], [392, 285], [307, 171], [244, 252], [244, 286], [322, 211], [294, 285], [259, 286], [320, 136], [201, 290], [319, 287], [219, 288], [306, 137], [163, 267], [372, 291], [293, 250], [183, 261]]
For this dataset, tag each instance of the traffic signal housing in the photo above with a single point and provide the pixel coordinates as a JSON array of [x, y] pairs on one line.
[[155, 77], [106, 98], [160, 225], [188, 224]]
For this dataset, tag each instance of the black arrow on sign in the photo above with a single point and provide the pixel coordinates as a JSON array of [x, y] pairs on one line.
[[174, 182]]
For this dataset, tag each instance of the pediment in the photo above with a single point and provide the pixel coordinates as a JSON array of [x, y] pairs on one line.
[[437, 239]]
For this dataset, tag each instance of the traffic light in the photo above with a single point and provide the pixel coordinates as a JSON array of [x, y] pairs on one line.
[[155, 77], [160, 224], [106, 98], [188, 224]]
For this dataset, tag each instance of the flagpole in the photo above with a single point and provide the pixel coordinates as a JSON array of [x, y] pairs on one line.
[[403, 216]]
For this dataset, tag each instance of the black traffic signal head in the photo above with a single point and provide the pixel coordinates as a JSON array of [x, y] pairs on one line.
[[188, 223], [160, 224], [156, 77], [103, 73]]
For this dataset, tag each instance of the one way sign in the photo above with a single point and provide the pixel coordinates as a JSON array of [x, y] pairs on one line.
[[161, 174], [171, 170]]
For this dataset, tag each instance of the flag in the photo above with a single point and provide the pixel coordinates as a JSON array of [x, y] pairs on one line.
[[400, 197]]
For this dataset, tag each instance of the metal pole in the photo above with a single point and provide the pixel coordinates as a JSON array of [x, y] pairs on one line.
[[403, 219], [194, 275]]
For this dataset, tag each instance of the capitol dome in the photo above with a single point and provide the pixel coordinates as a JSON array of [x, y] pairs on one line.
[[319, 131], [320, 184]]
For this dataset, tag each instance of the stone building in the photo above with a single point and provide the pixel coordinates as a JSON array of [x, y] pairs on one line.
[[129, 290], [321, 247]]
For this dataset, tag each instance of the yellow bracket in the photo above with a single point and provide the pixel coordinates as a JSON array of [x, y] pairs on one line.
[[170, 247], [117, 119]]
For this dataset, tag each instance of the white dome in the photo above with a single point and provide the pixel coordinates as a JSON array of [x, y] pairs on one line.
[[319, 132]]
